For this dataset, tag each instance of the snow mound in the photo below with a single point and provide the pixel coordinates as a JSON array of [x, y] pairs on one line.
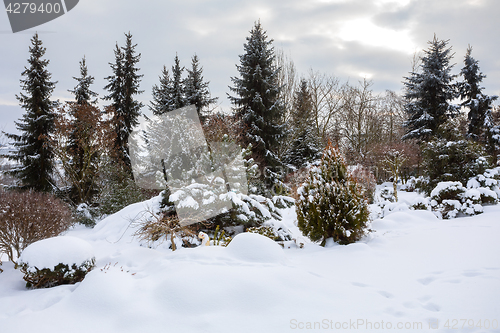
[[50, 252], [255, 248]]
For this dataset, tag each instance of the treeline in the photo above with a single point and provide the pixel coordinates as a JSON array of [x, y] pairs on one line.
[[285, 118]]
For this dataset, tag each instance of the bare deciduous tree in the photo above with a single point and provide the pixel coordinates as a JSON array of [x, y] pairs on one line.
[[326, 93], [360, 122]]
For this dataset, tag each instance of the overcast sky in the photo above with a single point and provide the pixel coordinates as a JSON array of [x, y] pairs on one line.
[[350, 39]]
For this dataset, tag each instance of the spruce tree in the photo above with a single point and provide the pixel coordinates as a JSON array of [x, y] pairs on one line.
[[429, 93], [178, 89], [478, 104], [162, 95], [257, 102], [196, 89], [123, 86], [82, 92], [34, 153], [331, 203], [305, 146], [83, 115]]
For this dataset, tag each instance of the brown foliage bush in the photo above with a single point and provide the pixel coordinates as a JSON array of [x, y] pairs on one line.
[[27, 217]]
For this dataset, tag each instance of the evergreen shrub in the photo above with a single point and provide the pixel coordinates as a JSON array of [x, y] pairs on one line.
[[453, 161], [61, 274], [331, 203]]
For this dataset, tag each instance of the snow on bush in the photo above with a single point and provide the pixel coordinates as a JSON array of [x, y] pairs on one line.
[[447, 190], [446, 160], [446, 199], [256, 248], [331, 203], [449, 199], [270, 231], [55, 261], [489, 185], [420, 203], [386, 195], [414, 184]]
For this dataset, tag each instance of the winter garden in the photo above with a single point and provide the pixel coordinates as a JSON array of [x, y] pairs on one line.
[[314, 205]]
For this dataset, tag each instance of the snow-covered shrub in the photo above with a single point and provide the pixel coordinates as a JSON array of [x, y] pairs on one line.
[[453, 161], [481, 195], [447, 191], [446, 199], [255, 248], [489, 180], [27, 217], [331, 203], [387, 194], [56, 261], [86, 215], [472, 202], [414, 184], [248, 210], [276, 234], [420, 203], [387, 208]]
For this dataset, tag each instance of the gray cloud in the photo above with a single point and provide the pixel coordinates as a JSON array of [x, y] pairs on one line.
[[216, 31]]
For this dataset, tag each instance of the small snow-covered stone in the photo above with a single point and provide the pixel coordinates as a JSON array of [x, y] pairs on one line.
[[50, 252]]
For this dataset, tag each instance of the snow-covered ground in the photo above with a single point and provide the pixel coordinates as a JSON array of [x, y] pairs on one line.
[[413, 273]]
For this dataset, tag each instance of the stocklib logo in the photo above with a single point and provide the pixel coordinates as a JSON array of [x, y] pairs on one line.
[[26, 15], [202, 178]]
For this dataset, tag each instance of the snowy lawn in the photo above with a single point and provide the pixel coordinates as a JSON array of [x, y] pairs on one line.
[[414, 273]]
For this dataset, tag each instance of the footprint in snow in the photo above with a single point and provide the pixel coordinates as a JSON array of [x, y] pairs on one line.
[[492, 268], [427, 280], [432, 307], [425, 298], [471, 273], [410, 305], [358, 284], [386, 294]]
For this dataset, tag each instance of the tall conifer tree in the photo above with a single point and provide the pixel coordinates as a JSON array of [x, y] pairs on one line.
[[178, 88], [162, 94], [83, 113], [429, 93], [83, 93], [34, 152], [123, 86], [256, 101], [197, 91], [305, 145], [478, 104]]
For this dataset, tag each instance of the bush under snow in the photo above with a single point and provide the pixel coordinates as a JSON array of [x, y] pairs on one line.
[[255, 248], [56, 261], [449, 199]]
